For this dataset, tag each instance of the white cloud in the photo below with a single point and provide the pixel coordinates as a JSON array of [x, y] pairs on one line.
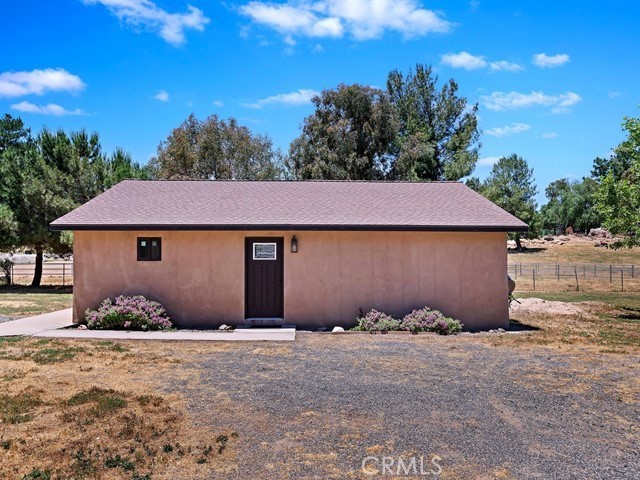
[[476, 62], [301, 97], [464, 60], [38, 82], [561, 103], [549, 135], [488, 161], [48, 109], [361, 19], [504, 65], [614, 94], [543, 60], [144, 13], [162, 96], [508, 130], [217, 103], [317, 48]]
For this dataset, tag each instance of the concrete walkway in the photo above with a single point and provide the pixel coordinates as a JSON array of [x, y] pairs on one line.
[[240, 335], [37, 324], [53, 325]]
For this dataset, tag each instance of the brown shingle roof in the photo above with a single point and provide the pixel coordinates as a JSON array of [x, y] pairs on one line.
[[326, 205]]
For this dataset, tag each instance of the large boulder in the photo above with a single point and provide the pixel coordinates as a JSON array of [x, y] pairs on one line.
[[599, 233]]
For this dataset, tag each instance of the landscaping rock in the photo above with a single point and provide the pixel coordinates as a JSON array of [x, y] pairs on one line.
[[224, 327], [82, 327], [337, 330], [548, 238]]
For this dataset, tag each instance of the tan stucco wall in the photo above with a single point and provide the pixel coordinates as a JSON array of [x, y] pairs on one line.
[[200, 279]]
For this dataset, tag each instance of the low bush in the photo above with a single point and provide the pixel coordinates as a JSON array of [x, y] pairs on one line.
[[128, 313], [422, 320], [428, 320], [375, 321]]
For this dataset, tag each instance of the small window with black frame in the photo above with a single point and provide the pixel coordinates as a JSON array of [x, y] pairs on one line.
[[149, 249]]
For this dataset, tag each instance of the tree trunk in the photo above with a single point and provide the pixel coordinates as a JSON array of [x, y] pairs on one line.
[[37, 274], [518, 244]]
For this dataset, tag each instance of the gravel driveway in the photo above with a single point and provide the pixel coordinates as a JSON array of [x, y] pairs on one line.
[[318, 407]]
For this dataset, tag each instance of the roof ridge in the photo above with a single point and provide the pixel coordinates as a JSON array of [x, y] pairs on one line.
[[292, 181]]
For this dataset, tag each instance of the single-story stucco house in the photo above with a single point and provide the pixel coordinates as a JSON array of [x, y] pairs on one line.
[[308, 253]]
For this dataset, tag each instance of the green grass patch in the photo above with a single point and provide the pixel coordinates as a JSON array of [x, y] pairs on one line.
[[37, 474], [5, 341], [120, 462], [18, 408], [111, 346], [105, 402], [18, 301], [55, 355]]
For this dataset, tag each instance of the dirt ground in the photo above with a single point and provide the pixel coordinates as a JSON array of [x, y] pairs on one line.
[[557, 397], [575, 250]]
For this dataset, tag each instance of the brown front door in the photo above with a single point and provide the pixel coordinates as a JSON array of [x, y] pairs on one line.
[[264, 286]]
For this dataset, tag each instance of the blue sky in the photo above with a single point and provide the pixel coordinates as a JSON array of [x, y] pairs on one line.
[[553, 79]]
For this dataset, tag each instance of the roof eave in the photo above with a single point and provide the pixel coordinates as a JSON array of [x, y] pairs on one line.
[[393, 228]]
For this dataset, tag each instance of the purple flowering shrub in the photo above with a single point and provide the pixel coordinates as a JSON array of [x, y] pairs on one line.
[[128, 313], [423, 320], [428, 320], [376, 321]]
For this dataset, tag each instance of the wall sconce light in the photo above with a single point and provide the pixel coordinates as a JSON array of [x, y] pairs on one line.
[[294, 244]]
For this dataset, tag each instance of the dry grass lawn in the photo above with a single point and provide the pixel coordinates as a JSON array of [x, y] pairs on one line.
[[576, 250], [73, 409], [90, 409]]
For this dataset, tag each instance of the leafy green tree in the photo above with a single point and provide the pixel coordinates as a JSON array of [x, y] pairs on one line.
[[347, 137], [8, 226], [41, 179], [571, 204], [120, 166], [215, 149], [37, 197], [474, 183], [511, 186], [13, 133], [618, 198], [438, 138]]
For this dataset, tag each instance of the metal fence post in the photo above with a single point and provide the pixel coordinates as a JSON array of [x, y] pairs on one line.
[[575, 271], [622, 279], [610, 273], [64, 265], [558, 271], [534, 279]]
